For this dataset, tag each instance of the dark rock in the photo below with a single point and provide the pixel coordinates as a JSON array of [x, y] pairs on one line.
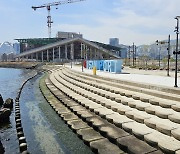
[[8, 103], [1, 101], [1, 148], [4, 114]]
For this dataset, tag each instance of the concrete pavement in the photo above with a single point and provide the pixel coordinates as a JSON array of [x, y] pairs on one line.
[[154, 77]]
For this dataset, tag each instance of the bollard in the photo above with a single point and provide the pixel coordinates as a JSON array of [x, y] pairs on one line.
[[23, 147], [20, 134], [22, 140], [94, 70]]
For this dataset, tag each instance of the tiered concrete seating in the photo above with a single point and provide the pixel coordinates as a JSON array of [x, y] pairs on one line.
[[144, 94], [84, 131], [104, 128], [149, 108], [157, 125], [147, 104]]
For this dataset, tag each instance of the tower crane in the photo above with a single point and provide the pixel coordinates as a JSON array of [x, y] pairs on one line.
[[48, 7]]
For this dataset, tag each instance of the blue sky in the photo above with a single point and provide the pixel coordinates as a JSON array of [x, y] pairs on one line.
[[139, 21]]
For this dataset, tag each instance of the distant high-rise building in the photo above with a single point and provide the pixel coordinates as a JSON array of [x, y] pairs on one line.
[[16, 47], [6, 47], [123, 48], [114, 41]]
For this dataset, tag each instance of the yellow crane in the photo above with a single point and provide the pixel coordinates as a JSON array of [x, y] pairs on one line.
[[48, 7]]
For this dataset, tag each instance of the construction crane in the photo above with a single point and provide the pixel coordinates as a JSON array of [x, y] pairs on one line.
[[48, 7]]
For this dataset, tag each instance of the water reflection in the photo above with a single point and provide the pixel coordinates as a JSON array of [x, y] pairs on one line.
[[45, 132], [10, 82]]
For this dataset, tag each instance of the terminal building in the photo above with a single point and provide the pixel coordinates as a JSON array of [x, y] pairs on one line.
[[66, 45]]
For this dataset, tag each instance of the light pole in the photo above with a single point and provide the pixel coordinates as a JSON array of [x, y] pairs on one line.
[[133, 53], [168, 57], [129, 55], [157, 43], [168, 54], [176, 53]]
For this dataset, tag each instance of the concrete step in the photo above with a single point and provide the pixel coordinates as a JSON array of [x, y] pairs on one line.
[[138, 147], [142, 97], [108, 130], [163, 92], [137, 96], [102, 113], [132, 113], [103, 146], [149, 108], [84, 131]]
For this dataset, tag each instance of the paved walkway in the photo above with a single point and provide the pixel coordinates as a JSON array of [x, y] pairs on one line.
[[135, 75], [150, 72]]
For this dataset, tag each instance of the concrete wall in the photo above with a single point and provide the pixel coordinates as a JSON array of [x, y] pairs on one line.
[[113, 66]]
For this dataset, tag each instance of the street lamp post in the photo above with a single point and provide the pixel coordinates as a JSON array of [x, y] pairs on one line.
[[168, 54], [129, 55], [157, 43], [133, 53], [168, 57], [176, 53]]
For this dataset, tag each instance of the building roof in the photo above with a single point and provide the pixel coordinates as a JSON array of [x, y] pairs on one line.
[[107, 46], [67, 41], [42, 41]]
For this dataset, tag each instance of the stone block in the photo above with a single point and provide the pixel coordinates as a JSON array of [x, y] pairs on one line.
[[131, 144], [88, 135], [69, 116], [103, 146], [77, 124]]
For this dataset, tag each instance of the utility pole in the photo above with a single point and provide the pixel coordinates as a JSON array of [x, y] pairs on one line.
[[157, 43], [129, 55], [169, 39], [168, 56], [160, 56], [133, 53], [176, 52]]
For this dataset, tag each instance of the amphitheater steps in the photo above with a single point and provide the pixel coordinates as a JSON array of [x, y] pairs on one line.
[[134, 92], [84, 131], [145, 106], [166, 93], [104, 112], [141, 116], [106, 129]]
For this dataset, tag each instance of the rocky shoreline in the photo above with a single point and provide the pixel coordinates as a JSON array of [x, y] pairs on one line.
[[5, 112], [6, 106]]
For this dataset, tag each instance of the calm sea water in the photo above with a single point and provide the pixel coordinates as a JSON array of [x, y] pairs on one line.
[[10, 82], [44, 130]]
